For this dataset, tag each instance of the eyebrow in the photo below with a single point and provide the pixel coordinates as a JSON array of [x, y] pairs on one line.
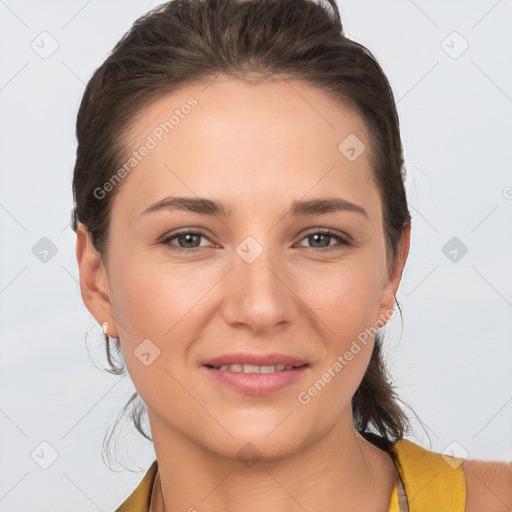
[[212, 207]]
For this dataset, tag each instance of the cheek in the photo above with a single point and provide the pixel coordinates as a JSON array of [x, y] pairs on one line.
[[156, 299], [152, 302], [345, 302], [150, 298], [345, 297], [164, 303]]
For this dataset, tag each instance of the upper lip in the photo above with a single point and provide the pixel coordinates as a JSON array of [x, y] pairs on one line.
[[270, 359]]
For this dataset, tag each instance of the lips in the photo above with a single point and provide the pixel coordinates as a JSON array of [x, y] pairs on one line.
[[255, 374]]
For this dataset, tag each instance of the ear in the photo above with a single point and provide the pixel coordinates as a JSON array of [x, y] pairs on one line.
[[93, 281], [387, 299]]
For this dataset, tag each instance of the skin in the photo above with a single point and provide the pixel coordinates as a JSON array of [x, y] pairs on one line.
[[256, 148], [489, 485]]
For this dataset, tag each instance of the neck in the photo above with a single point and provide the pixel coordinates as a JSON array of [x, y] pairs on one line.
[[342, 472]]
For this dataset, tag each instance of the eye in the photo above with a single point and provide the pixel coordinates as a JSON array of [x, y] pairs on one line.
[[187, 238], [189, 241], [322, 237]]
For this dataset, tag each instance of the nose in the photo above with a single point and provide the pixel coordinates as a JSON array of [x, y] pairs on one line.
[[259, 294]]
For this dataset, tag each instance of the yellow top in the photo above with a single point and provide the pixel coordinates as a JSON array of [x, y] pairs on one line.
[[426, 481]]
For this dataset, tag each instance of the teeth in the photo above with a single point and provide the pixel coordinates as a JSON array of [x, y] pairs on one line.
[[252, 368]]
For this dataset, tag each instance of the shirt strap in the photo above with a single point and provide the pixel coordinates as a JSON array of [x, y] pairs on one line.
[[431, 481]]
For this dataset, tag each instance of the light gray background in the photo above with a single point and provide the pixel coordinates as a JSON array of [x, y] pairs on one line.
[[452, 363]]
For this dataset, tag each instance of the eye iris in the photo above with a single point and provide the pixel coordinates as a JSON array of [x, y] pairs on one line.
[[315, 236], [187, 236]]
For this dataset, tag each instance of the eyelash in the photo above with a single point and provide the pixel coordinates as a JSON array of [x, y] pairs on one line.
[[328, 232]]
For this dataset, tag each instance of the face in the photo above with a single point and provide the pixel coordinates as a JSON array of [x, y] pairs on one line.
[[185, 286]]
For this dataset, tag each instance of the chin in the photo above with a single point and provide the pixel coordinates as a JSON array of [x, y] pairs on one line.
[[251, 451], [254, 445]]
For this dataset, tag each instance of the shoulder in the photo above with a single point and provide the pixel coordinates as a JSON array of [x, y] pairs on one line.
[[488, 485]]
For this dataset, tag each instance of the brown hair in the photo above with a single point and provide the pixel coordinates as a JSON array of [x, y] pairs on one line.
[[189, 41]]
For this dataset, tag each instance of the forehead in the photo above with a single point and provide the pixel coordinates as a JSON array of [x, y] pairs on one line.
[[224, 104], [268, 138]]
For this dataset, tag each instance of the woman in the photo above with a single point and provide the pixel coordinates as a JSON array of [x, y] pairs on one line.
[[242, 228]]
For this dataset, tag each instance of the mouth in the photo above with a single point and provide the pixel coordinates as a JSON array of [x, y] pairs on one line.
[[255, 374]]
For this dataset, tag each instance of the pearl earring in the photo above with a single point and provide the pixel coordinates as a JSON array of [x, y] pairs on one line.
[[105, 327]]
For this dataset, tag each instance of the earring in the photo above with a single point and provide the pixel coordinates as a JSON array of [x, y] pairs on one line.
[[105, 327]]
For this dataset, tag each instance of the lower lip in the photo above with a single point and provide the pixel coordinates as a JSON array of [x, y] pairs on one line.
[[258, 384]]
